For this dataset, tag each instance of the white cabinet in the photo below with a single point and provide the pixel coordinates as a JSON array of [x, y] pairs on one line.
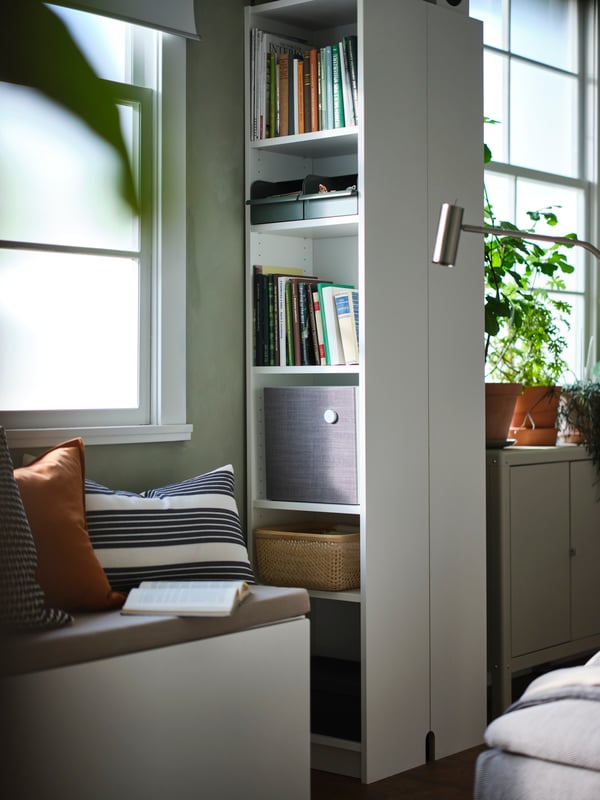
[[543, 559], [415, 632]]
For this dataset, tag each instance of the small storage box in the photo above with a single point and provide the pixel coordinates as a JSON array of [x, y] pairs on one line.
[[324, 196], [310, 444], [309, 556], [313, 197], [275, 201]]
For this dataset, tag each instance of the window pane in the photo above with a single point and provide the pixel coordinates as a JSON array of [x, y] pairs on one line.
[[501, 195], [544, 113], [68, 331], [495, 104], [533, 195], [490, 12], [576, 350], [104, 42], [58, 181], [545, 31]]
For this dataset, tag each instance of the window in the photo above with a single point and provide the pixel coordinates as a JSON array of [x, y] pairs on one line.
[[92, 332], [539, 73]]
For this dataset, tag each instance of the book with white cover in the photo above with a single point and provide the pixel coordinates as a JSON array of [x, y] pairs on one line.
[[186, 598]]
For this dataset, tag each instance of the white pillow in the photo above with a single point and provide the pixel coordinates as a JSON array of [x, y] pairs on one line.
[[185, 531]]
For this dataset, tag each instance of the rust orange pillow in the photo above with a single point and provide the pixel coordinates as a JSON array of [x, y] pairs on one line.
[[52, 490]]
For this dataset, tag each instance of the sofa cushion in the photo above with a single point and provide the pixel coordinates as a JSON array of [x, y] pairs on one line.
[[22, 601], [68, 570], [184, 531]]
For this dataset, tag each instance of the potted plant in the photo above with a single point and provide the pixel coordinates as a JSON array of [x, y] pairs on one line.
[[524, 325], [579, 415]]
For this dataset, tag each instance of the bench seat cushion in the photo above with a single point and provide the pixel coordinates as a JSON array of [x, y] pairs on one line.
[[105, 634]]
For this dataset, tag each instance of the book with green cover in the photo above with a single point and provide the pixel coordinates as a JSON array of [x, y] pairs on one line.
[[338, 97], [334, 352]]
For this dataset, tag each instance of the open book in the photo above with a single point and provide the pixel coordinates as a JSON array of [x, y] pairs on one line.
[[186, 598]]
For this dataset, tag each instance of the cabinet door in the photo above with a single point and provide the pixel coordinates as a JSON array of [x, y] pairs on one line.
[[539, 556], [585, 544]]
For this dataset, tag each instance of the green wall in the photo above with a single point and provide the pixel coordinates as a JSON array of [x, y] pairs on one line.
[[215, 273]]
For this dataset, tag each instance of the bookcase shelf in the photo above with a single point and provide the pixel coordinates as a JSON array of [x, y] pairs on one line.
[[345, 369], [414, 633], [318, 144], [324, 228]]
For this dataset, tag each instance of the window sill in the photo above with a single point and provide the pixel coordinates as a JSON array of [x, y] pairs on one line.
[[128, 434]]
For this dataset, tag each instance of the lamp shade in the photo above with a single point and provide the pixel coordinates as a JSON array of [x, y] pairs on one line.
[[448, 234], [171, 16]]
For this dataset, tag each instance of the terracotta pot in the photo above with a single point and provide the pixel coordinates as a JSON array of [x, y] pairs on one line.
[[500, 399], [534, 418]]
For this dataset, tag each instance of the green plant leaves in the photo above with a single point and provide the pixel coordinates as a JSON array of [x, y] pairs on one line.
[[37, 50]]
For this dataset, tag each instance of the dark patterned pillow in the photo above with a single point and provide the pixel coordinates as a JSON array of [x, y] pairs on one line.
[[185, 531], [22, 601]]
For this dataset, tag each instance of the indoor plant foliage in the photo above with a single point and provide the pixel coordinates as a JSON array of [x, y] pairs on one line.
[[524, 340], [579, 415], [524, 321]]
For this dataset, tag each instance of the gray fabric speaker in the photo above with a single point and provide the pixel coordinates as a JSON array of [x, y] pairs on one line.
[[310, 444]]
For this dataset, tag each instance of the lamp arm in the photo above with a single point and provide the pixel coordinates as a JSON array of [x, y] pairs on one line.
[[534, 236]]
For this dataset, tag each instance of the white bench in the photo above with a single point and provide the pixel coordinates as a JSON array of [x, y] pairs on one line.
[[162, 708]]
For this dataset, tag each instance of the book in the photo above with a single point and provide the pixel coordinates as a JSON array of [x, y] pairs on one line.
[[186, 598], [328, 87], [306, 100], [346, 303], [346, 88], [283, 67], [351, 52], [314, 89], [334, 352], [338, 98], [315, 356], [322, 360]]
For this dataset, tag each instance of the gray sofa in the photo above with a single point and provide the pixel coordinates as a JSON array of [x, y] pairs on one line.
[[152, 707], [546, 746]]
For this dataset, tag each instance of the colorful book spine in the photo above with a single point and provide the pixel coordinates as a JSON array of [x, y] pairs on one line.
[[314, 89], [306, 97], [338, 97], [328, 87], [283, 64], [319, 328]]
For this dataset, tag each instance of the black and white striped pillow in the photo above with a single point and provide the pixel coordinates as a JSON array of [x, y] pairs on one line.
[[22, 601], [185, 531]]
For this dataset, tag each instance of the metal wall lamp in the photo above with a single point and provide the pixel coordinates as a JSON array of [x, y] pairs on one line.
[[450, 226]]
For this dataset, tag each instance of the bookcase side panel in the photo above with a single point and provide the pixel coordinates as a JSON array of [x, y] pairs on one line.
[[393, 207], [456, 389]]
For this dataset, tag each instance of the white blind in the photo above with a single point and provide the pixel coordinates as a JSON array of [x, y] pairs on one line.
[[172, 16]]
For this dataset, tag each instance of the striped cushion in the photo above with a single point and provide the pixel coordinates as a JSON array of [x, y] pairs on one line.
[[22, 601], [185, 531]]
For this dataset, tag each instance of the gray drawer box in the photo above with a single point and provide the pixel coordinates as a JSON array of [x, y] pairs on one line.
[[310, 444], [284, 201]]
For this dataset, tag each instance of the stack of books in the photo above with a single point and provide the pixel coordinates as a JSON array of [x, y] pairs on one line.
[[296, 88], [301, 320]]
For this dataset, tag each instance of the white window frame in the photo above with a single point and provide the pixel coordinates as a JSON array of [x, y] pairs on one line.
[[167, 412], [587, 181]]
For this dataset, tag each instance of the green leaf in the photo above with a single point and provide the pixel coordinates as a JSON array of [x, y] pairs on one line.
[[37, 50]]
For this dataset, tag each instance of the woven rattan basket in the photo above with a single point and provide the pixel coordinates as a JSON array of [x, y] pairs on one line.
[[314, 557]]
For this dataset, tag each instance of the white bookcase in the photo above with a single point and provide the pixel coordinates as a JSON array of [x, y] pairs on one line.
[[415, 632]]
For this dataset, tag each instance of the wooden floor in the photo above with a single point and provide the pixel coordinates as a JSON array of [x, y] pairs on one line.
[[448, 778]]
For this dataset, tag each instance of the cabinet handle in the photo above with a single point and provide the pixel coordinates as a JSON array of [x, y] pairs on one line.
[[573, 551]]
